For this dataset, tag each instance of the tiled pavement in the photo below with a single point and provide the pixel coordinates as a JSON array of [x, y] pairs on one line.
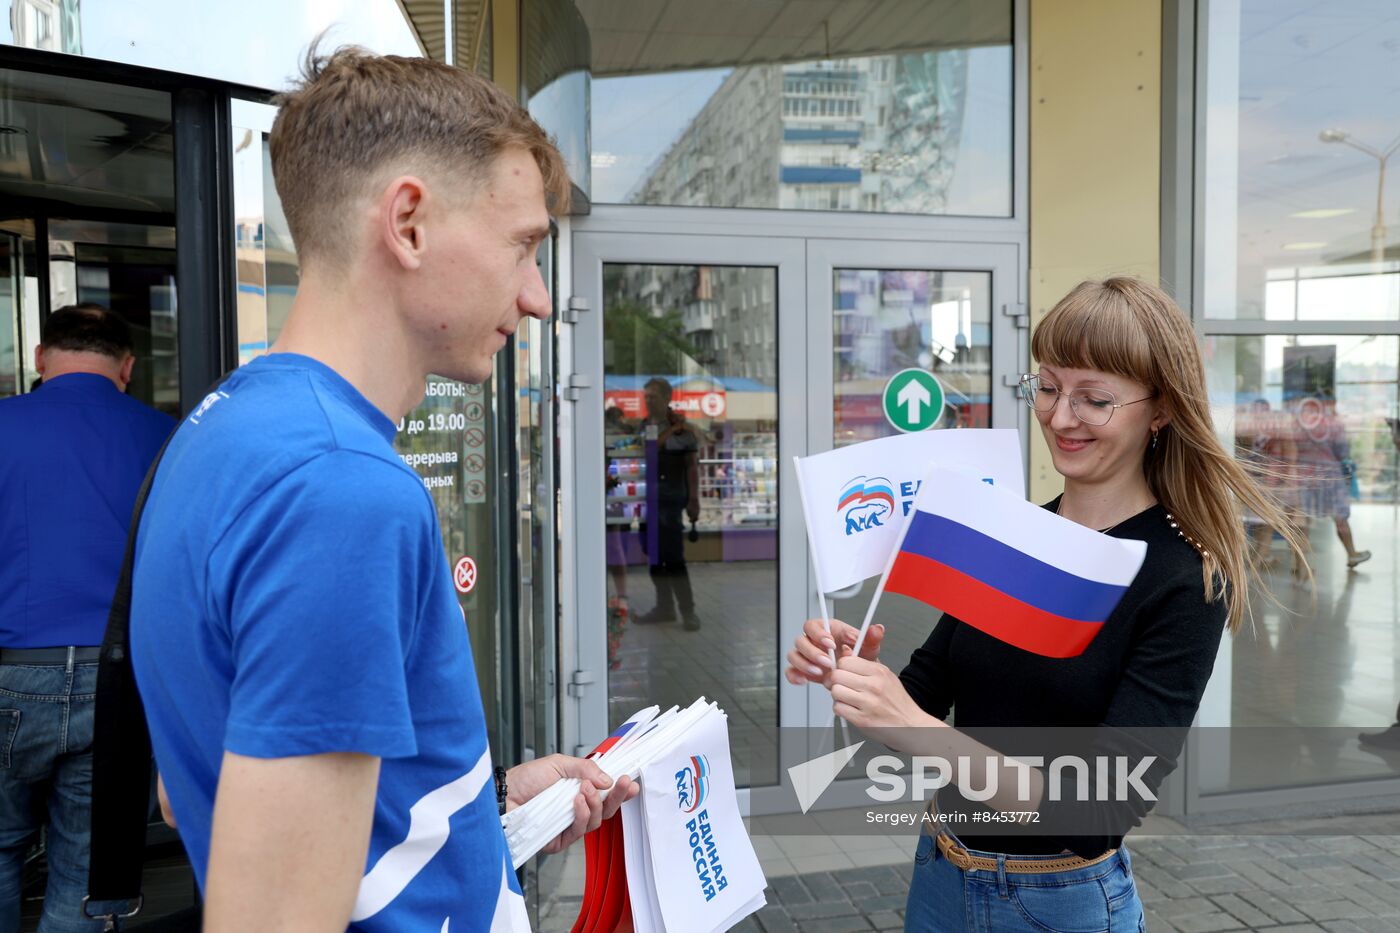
[[1346, 881]]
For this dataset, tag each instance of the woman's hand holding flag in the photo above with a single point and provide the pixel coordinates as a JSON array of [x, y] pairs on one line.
[[809, 661], [869, 695]]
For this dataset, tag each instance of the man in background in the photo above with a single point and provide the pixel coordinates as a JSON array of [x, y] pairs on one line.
[[673, 487], [72, 457]]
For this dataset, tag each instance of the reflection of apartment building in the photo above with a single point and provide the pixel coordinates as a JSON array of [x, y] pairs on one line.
[[862, 134], [728, 314], [51, 25]]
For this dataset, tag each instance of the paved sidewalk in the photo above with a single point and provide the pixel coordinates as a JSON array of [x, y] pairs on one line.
[[1195, 885], [1295, 883], [1338, 873]]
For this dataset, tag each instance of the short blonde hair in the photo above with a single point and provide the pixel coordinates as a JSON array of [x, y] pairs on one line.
[[353, 114]]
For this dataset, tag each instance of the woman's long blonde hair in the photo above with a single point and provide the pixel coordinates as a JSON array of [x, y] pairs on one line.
[[1124, 326]]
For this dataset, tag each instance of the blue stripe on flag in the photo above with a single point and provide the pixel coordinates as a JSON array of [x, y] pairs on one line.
[[1014, 572]]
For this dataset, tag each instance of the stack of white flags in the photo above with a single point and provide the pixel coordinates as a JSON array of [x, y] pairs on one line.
[[689, 864]]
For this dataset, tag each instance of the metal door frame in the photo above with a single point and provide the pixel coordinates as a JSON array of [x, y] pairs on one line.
[[805, 385], [584, 676], [1009, 336]]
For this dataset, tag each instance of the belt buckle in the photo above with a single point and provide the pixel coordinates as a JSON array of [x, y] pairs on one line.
[[952, 851]]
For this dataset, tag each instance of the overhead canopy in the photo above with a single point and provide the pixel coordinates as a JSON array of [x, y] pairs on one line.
[[644, 36], [471, 46], [82, 144]]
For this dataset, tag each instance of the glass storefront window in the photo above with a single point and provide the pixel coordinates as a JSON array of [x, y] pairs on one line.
[[561, 107], [903, 108], [267, 271], [257, 43], [11, 372], [1296, 224], [887, 321], [1319, 417], [690, 420], [913, 133], [1299, 300]]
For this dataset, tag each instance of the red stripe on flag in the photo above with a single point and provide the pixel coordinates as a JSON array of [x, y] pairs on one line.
[[989, 610], [615, 901], [588, 908], [604, 745]]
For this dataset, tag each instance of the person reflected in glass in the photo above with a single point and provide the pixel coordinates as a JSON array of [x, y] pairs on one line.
[[673, 494], [1325, 470], [1265, 446], [618, 481], [1121, 402]]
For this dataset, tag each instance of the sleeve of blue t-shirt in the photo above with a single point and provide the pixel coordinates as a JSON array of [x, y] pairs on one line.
[[323, 581]]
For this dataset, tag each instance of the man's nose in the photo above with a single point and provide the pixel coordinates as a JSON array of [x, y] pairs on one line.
[[534, 297]]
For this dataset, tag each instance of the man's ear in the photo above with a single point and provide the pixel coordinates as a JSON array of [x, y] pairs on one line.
[[39, 358], [128, 365], [401, 214]]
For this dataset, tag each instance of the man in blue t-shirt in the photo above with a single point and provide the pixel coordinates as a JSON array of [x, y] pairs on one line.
[[302, 657], [72, 457]]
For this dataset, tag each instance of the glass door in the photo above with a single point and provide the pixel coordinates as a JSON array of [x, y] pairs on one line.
[[11, 346], [702, 367], [691, 568], [880, 309]]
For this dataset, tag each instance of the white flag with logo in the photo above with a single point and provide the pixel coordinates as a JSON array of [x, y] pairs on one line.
[[855, 498], [691, 867]]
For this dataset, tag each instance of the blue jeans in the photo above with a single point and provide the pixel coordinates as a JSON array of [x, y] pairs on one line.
[[1098, 899], [46, 713]]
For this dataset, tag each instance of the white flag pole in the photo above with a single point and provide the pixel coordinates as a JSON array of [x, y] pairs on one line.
[[880, 589], [812, 549]]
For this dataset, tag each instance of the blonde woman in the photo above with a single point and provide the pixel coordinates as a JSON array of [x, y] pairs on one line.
[[1120, 397]]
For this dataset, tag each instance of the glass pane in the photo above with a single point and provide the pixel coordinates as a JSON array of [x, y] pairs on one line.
[[691, 437], [10, 370], [255, 43], [887, 321], [129, 269], [1296, 224], [1321, 414], [267, 270], [924, 132]]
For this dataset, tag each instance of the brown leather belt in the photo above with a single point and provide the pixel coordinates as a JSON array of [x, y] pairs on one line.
[[960, 857]]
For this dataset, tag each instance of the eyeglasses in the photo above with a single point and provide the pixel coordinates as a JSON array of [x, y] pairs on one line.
[[1091, 406]]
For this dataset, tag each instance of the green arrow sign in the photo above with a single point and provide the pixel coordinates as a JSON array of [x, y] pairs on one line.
[[913, 400]]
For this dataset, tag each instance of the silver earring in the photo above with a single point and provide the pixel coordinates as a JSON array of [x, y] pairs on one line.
[[1154, 438]]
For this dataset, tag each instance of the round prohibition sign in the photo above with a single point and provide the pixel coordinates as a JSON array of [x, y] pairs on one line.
[[464, 575], [474, 437]]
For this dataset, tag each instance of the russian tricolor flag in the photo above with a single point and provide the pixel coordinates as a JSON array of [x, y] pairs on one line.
[[1009, 568]]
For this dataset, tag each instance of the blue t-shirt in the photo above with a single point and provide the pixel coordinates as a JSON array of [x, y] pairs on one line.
[[72, 456], [291, 597]]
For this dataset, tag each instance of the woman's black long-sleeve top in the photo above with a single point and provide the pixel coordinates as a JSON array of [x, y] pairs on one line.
[[1138, 683]]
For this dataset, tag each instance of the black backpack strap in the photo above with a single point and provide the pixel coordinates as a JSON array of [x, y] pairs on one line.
[[121, 746]]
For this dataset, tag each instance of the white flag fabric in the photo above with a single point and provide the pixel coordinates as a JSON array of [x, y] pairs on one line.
[[855, 498], [683, 841], [704, 875]]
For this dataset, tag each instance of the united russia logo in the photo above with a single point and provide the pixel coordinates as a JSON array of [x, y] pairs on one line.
[[692, 784], [865, 502]]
